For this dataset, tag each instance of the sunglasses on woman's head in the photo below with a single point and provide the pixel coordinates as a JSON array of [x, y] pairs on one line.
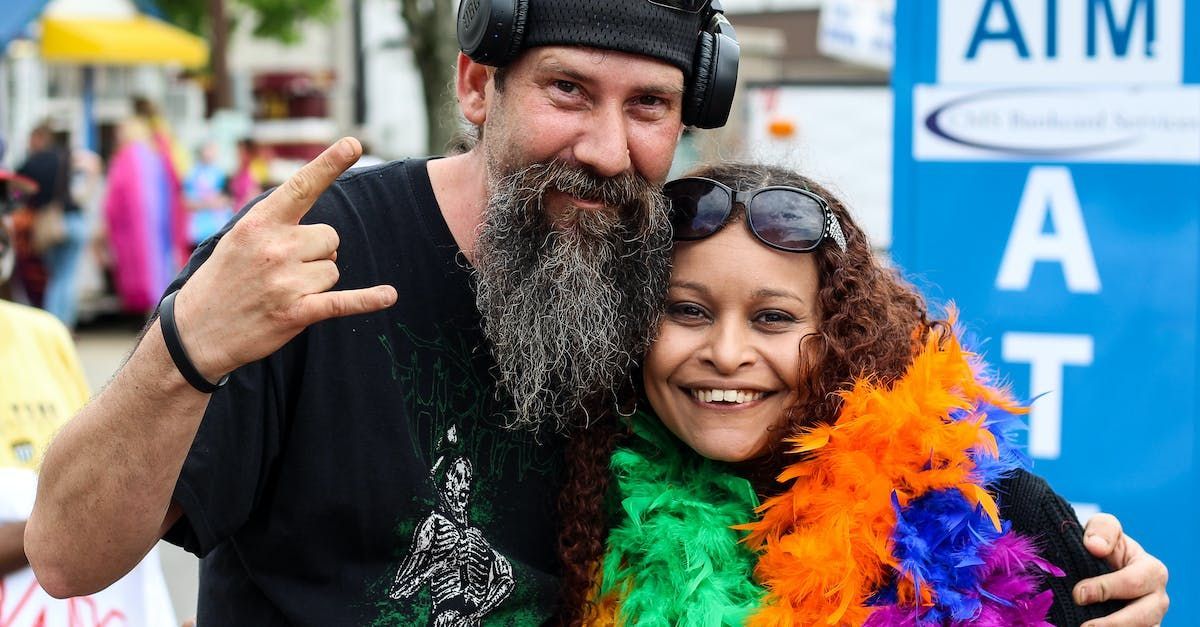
[[786, 218]]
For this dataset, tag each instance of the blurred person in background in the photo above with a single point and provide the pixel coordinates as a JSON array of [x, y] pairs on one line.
[[41, 386], [13, 188], [88, 190], [246, 182], [176, 159], [27, 284], [139, 219], [204, 191], [49, 165]]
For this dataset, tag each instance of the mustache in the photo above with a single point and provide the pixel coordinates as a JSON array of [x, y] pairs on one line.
[[629, 194]]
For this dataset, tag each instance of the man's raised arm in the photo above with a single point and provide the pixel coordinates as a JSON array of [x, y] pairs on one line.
[[104, 497]]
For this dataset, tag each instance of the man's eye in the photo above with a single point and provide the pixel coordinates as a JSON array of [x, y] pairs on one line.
[[567, 87], [651, 101]]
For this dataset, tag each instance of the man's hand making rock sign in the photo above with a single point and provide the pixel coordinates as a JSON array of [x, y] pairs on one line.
[[105, 494], [269, 276]]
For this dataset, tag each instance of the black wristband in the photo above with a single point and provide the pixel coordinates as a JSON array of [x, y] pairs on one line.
[[166, 318]]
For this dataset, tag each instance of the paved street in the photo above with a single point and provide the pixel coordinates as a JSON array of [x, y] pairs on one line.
[[102, 350]]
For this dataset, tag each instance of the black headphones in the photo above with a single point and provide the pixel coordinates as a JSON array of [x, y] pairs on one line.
[[490, 32]]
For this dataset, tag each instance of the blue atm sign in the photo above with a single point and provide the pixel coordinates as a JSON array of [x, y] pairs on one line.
[[1047, 180]]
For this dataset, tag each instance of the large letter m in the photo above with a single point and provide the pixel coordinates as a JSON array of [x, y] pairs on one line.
[[1120, 34]]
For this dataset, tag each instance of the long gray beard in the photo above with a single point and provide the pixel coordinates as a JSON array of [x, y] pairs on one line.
[[569, 304]]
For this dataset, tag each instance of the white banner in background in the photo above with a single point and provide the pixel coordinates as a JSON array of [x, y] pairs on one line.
[[859, 31]]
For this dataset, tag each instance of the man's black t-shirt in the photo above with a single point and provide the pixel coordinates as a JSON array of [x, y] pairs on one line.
[[361, 475]]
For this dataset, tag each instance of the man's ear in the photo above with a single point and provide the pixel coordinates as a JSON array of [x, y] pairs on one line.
[[472, 87]]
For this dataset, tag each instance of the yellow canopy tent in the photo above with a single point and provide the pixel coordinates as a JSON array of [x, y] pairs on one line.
[[132, 40]]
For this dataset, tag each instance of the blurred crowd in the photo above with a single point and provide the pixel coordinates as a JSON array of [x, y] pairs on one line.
[[113, 235]]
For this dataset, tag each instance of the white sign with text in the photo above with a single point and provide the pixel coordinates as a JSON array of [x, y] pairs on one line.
[[1119, 124], [1060, 42]]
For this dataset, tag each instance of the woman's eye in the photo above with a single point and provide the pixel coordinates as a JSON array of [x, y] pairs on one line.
[[686, 311], [774, 318]]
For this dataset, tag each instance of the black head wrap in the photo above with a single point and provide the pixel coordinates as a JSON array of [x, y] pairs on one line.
[[634, 26]]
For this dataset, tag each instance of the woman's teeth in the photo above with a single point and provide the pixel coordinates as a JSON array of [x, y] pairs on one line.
[[726, 396]]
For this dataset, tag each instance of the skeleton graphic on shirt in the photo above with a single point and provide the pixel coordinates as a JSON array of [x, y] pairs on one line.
[[467, 578]]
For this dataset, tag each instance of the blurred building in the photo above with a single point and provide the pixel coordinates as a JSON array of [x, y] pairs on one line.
[[79, 62], [351, 75]]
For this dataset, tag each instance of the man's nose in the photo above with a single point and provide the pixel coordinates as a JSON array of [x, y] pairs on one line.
[[604, 145]]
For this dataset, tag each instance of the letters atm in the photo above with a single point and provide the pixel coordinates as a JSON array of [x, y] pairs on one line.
[[1047, 181]]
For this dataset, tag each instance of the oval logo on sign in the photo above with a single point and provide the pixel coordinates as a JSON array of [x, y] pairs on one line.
[[1033, 122]]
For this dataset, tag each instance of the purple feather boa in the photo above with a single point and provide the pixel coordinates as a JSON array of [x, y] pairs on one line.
[[1009, 577]]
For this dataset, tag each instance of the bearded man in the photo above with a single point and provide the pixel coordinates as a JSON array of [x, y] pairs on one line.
[[501, 294]]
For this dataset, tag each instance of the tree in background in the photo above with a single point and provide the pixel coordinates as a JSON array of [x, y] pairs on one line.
[[273, 19], [431, 32]]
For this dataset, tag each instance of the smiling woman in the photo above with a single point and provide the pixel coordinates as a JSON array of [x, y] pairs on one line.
[[725, 368], [786, 299]]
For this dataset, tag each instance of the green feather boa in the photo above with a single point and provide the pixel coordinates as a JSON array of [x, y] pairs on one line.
[[672, 557]]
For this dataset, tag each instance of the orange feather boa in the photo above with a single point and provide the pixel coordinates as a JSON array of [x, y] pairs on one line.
[[825, 543]]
